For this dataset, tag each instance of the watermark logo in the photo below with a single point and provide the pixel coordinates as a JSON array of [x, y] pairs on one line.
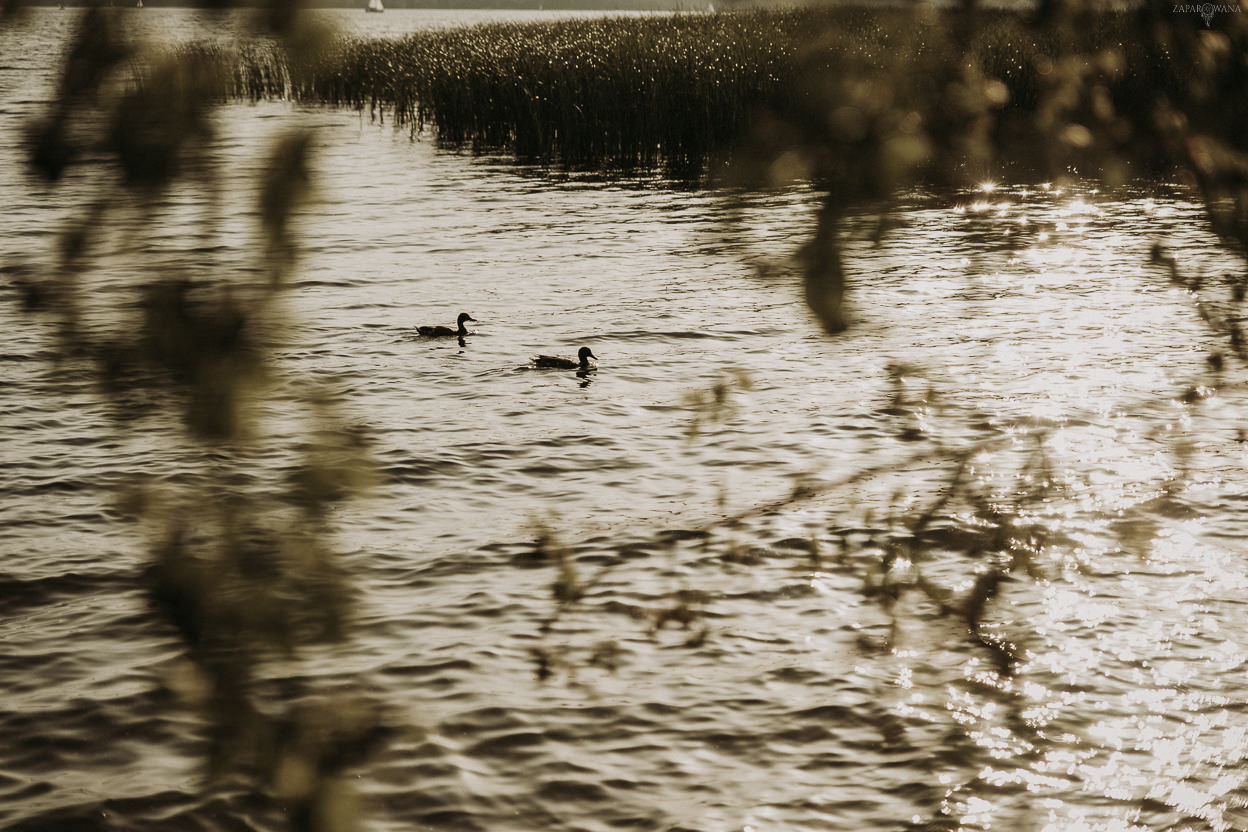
[[1207, 10]]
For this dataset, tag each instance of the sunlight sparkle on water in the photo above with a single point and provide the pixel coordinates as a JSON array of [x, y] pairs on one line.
[[1077, 207], [978, 811], [1059, 823]]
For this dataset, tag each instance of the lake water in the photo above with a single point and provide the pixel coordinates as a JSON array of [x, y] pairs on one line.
[[1025, 310]]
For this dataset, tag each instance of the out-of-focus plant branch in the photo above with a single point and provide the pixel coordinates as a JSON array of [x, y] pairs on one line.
[[242, 566]]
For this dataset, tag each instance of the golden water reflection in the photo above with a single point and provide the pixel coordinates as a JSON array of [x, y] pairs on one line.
[[1129, 712]]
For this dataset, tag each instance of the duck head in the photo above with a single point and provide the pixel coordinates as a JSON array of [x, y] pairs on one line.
[[464, 316], [585, 354]]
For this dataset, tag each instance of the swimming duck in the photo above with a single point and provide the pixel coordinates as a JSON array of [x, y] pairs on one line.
[[560, 363], [440, 331]]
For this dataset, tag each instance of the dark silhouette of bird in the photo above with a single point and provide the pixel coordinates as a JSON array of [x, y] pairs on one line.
[[556, 362], [443, 331]]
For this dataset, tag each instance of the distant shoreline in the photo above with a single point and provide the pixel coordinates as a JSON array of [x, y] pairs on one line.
[[534, 5]]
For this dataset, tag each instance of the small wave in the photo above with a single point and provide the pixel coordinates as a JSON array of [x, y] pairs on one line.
[[169, 809], [435, 669], [23, 593], [27, 357], [58, 486], [573, 791], [321, 283], [419, 471], [687, 334], [510, 746]]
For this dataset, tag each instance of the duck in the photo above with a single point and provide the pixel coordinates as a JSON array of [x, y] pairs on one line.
[[559, 363], [442, 331]]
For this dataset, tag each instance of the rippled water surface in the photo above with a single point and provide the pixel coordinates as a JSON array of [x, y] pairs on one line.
[[1015, 312]]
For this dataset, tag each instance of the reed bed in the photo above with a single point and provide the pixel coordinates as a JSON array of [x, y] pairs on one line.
[[616, 92], [665, 92]]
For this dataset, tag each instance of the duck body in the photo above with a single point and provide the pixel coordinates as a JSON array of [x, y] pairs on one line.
[[445, 331], [556, 362]]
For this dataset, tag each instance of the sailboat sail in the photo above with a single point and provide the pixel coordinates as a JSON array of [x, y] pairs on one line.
[[374, 6]]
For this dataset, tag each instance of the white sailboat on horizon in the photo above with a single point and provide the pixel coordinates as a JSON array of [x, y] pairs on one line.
[[374, 6]]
